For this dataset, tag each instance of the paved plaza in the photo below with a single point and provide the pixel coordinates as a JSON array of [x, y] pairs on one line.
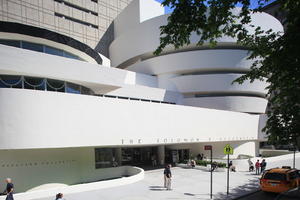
[[186, 184]]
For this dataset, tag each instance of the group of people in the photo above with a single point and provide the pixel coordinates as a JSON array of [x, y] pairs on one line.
[[259, 166]]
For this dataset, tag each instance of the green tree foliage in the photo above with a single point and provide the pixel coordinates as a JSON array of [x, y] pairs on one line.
[[277, 55]]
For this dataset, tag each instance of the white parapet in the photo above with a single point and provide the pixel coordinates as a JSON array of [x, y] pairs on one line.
[[133, 174]]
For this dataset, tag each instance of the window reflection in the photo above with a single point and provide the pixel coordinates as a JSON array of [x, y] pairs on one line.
[[73, 88], [53, 51], [35, 83], [32, 46], [39, 48], [104, 157], [10, 81], [13, 43], [54, 85]]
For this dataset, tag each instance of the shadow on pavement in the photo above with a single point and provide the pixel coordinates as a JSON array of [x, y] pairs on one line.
[[156, 188], [251, 186]]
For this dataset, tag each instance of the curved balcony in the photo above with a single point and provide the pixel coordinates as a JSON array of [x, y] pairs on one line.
[[245, 104], [140, 41], [218, 83], [209, 60]]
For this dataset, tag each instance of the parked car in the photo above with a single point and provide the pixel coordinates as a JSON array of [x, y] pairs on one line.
[[279, 180]]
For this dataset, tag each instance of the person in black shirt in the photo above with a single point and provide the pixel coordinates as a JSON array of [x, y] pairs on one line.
[[165, 176], [263, 166], [9, 189], [168, 177]]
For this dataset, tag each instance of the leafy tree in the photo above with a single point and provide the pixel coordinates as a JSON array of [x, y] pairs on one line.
[[277, 55]]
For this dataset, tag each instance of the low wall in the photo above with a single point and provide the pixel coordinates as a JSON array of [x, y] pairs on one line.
[[203, 168], [272, 162], [133, 174], [272, 152]]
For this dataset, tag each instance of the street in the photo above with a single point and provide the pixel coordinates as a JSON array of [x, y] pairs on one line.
[[260, 195], [271, 196]]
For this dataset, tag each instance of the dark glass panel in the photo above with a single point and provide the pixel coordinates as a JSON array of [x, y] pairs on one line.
[[11, 81], [103, 158], [13, 43], [275, 176], [32, 46], [85, 90], [73, 88], [53, 51], [69, 55], [34, 83], [55, 85]]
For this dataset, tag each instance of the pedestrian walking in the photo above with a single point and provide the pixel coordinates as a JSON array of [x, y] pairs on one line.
[[169, 177], [251, 166], [257, 166], [59, 196], [263, 166], [9, 189], [165, 176]]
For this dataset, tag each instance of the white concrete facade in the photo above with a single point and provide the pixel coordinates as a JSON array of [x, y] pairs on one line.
[[181, 100]]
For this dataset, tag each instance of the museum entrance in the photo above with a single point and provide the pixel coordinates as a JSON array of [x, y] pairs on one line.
[[143, 156], [177, 155]]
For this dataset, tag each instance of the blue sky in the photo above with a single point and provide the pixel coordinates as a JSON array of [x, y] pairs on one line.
[[254, 4]]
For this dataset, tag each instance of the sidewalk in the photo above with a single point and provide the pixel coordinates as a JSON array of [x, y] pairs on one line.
[[186, 184]]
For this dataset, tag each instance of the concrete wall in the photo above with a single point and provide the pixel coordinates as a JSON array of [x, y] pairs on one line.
[[142, 40], [138, 11], [41, 119], [103, 80], [191, 70], [218, 147], [31, 168]]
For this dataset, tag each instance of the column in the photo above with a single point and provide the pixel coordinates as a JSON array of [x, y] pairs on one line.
[[118, 156], [161, 154]]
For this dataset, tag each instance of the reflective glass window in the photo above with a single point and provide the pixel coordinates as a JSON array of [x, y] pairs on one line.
[[53, 51], [13, 43], [85, 90], [103, 157], [32, 46], [275, 176], [69, 55], [72, 88], [34, 83], [55, 85], [11, 81]]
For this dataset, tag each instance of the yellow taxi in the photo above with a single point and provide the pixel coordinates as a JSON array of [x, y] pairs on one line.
[[279, 180]]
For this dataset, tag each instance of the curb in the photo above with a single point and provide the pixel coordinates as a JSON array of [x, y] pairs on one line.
[[246, 195]]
